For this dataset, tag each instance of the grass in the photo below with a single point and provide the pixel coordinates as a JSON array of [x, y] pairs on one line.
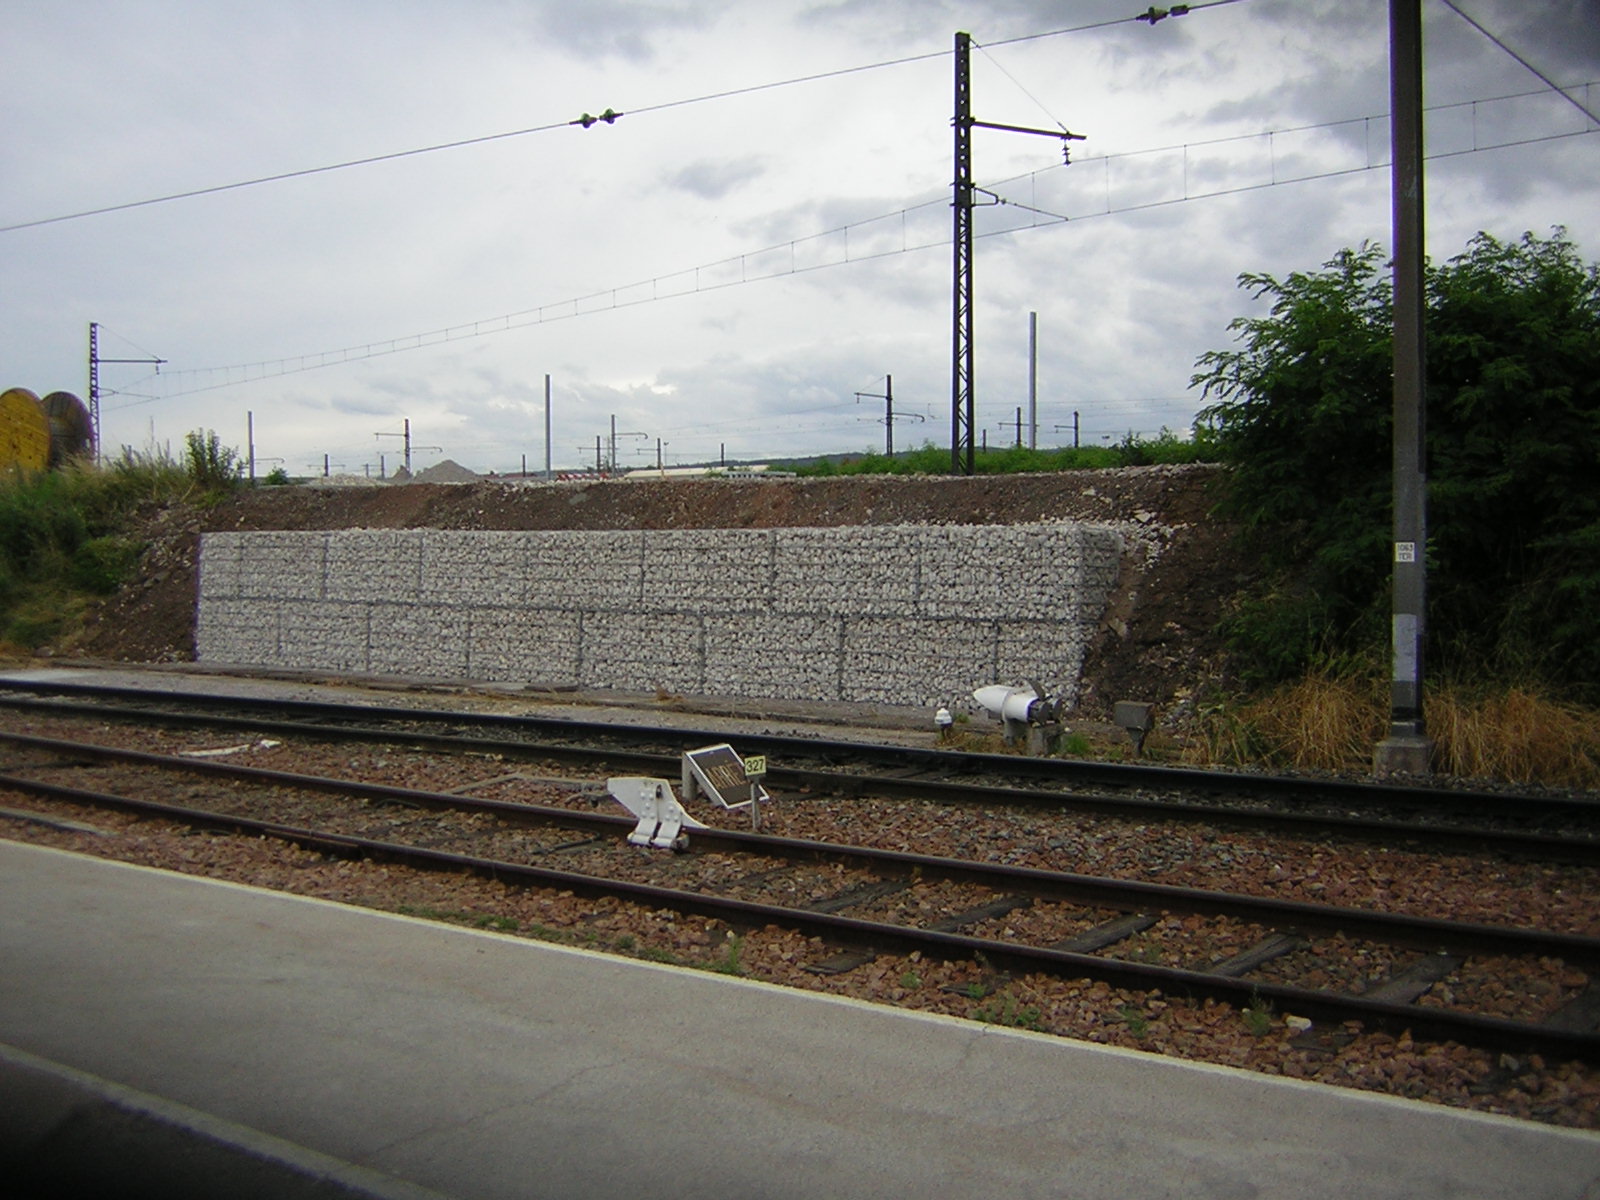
[[1509, 732], [63, 533], [1135, 1019], [1258, 1017], [1073, 745], [1006, 1009], [728, 963], [1516, 735]]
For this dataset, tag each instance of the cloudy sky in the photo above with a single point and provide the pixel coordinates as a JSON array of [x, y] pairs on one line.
[[722, 269]]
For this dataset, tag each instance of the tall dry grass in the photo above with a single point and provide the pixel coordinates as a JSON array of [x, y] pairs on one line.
[[1515, 735], [1511, 734]]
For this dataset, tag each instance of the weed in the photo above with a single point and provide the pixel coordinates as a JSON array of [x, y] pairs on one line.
[[213, 468], [1134, 1018], [1258, 1017], [976, 991], [101, 565], [39, 620], [728, 964], [910, 980], [656, 954], [1073, 745], [625, 942], [1007, 1010]]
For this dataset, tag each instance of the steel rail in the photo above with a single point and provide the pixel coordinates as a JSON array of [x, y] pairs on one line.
[[1130, 895], [1496, 840], [1425, 1022], [944, 762]]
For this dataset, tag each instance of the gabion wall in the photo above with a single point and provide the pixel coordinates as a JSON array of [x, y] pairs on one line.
[[909, 614]]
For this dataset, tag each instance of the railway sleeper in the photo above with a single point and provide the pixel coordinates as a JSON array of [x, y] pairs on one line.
[[1405, 986], [1581, 1014], [1274, 945], [1109, 933], [983, 912], [851, 897]]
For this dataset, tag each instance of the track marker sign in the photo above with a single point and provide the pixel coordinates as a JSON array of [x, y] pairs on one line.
[[723, 776]]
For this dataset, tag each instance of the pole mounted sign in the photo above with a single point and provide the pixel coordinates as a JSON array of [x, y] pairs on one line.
[[730, 781]]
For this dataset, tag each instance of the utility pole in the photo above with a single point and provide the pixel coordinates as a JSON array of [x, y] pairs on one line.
[[408, 446], [615, 435], [1033, 381], [548, 476], [1073, 427], [962, 406], [250, 441], [94, 382], [889, 417], [1407, 748]]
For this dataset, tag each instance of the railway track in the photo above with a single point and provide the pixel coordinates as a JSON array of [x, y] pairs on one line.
[[1554, 827], [861, 902]]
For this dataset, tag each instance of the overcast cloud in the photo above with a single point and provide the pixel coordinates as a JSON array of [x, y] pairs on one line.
[[724, 275]]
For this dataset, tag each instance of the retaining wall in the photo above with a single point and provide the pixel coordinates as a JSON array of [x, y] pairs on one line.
[[909, 614]]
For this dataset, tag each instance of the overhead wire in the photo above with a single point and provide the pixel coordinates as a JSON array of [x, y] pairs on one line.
[[584, 121], [1538, 74], [1150, 17], [650, 290], [1017, 83]]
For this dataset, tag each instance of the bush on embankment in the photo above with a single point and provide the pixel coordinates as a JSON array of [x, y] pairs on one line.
[[64, 534]]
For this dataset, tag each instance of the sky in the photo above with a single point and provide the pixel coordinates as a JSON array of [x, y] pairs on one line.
[[737, 266]]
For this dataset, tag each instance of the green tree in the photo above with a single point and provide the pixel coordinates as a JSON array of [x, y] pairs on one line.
[[1302, 409]]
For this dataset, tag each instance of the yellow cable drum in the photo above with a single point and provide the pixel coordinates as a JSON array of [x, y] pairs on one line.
[[24, 431]]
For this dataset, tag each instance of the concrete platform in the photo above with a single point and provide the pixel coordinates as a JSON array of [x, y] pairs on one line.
[[277, 1046]]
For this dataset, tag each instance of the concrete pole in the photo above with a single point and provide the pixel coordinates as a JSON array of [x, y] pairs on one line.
[[548, 476], [1407, 748], [1033, 381]]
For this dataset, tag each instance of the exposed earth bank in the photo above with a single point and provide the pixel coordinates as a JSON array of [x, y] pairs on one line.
[[1155, 640]]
